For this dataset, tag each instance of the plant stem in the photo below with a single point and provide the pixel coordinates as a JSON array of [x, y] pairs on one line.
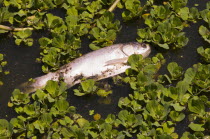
[[3, 27], [20, 29], [113, 5]]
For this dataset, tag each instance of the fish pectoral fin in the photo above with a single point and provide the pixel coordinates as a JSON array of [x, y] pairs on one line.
[[117, 61]]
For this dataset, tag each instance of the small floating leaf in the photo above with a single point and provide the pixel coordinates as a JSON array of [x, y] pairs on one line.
[[176, 116], [196, 127], [196, 105]]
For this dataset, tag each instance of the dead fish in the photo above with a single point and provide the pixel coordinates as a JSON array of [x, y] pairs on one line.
[[100, 64]]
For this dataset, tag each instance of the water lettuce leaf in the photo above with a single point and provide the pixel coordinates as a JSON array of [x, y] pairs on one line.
[[165, 24], [184, 13], [19, 98], [174, 70], [5, 129], [168, 127], [46, 118], [204, 32], [105, 31], [156, 110], [29, 109], [51, 87], [134, 61], [205, 14], [177, 4], [103, 93], [62, 105], [129, 121], [176, 116], [196, 105], [189, 75], [178, 107], [53, 22], [133, 9], [5, 14], [196, 127], [87, 87], [23, 37]]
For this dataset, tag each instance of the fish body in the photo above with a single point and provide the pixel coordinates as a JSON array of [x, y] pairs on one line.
[[100, 64]]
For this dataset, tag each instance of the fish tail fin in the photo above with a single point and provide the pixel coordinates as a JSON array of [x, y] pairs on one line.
[[37, 83], [27, 87]]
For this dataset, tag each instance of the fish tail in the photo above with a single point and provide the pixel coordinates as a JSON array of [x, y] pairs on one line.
[[27, 87], [37, 83]]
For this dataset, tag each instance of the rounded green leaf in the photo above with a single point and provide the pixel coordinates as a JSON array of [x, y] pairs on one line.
[[196, 105], [196, 127], [176, 116]]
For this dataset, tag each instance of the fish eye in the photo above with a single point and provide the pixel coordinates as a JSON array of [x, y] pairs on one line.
[[144, 45]]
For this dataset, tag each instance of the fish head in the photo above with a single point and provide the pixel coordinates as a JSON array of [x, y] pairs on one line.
[[142, 48], [136, 48]]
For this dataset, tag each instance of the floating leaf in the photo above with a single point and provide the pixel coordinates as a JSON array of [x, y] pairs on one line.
[[82, 122], [178, 107], [103, 93], [196, 105], [66, 133], [168, 127], [19, 98], [189, 75], [88, 86], [196, 127], [53, 21], [51, 87], [22, 36], [133, 9], [46, 118], [205, 33], [176, 116], [184, 13], [62, 105], [134, 60], [29, 109], [156, 110], [165, 46], [5, 129], [174, 70]]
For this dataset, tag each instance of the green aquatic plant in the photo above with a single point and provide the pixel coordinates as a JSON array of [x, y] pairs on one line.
[[105, 31], [89, 86], [5, 129], [205, 14], [205, 53], [166, 22], [205, 32], [2, 65], [151, 107], [81, 18], [174, 70], [22, 37], [156, 103], [44, 111]]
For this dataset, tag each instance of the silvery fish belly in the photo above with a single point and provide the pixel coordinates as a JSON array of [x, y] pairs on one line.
[[100, 64]]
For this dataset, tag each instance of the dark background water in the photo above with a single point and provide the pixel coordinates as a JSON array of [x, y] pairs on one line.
[[22, 66]]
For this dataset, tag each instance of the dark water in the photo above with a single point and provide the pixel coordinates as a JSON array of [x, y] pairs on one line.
[[22, 66]]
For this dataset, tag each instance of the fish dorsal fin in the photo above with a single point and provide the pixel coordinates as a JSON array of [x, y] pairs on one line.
[[117, 61]]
